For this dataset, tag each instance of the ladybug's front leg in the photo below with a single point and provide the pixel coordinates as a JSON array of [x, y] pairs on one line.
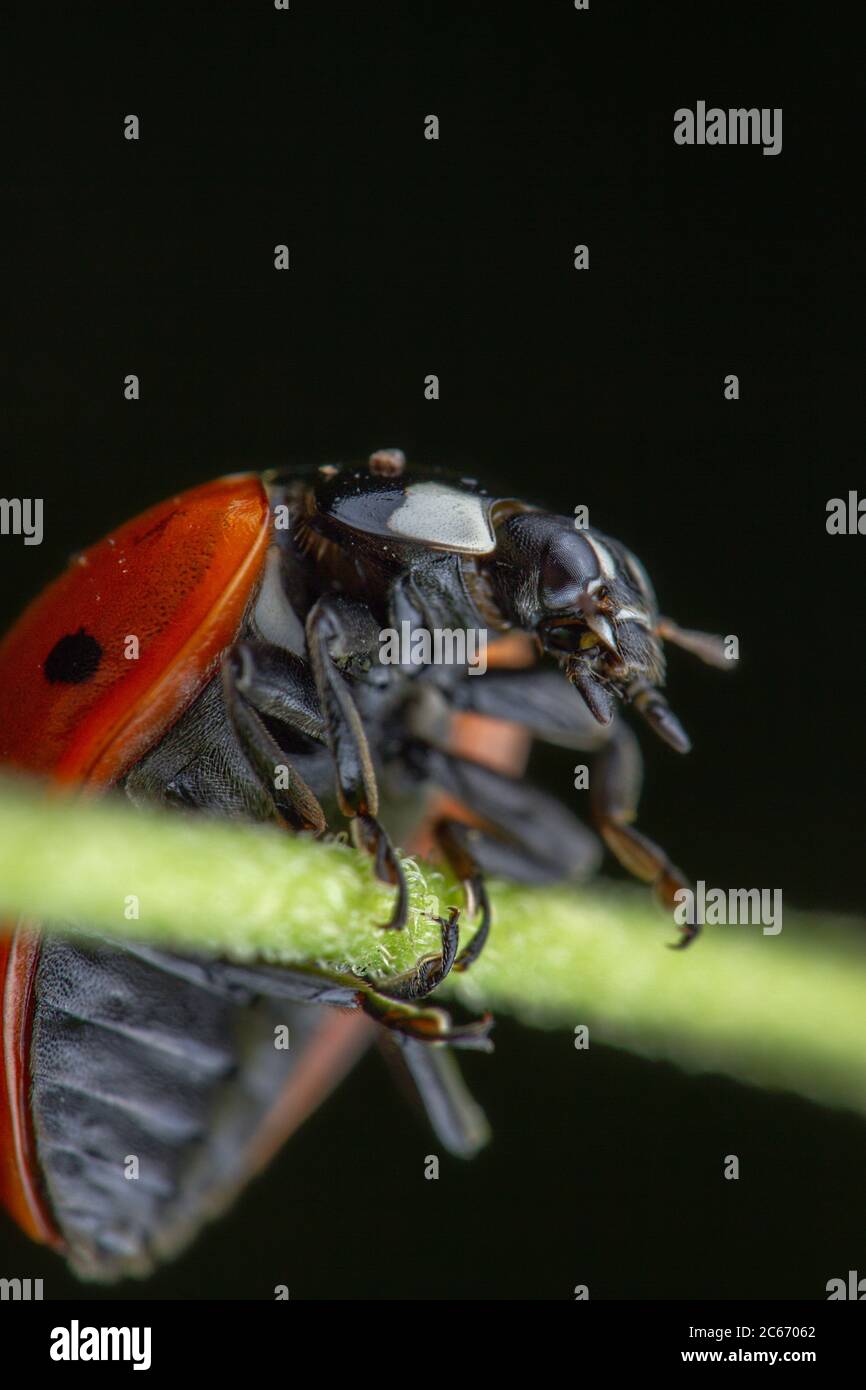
[[616, 786], [543, 703], [338, 632]]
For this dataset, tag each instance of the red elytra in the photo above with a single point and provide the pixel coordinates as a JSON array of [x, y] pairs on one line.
[[178, 578]]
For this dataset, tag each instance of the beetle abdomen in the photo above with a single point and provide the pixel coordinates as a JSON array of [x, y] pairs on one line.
[[149, 1075]]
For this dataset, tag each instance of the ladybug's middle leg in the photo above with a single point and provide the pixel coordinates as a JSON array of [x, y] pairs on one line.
[[340, 633], [266, 680], [453, 839]]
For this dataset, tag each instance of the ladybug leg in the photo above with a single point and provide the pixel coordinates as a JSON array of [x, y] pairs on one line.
[[278, 684], [541, 702], [535, 843], [291, 795], [339, 632], [409, 1035], [616, 783], [453, 840], [369, 835], [408, 1041], [336, 634], [393, 1003], [516, 830], [457, 1120], [429, 973], [426, 1025]]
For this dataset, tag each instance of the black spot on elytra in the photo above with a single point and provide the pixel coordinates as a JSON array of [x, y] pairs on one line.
[[74, 659]]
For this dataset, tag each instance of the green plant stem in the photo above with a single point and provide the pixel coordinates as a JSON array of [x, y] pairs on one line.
[[784, 1010]]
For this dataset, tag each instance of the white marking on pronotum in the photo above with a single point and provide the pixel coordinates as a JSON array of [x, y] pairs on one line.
[[442, 516], [606, 562], [637, 572]]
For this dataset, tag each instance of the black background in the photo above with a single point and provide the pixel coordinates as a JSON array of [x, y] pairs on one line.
[[455, 257]]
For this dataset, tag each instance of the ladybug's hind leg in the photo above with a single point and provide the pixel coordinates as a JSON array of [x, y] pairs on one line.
[[426, 1025], [397, 1003], [456, 1118]]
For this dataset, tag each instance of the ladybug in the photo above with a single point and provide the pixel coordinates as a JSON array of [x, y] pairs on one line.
[[224, 652]]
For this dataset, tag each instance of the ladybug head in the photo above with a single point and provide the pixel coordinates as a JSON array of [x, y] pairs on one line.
[[591, 605]]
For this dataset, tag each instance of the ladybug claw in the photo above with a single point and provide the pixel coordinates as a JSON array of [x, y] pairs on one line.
[[430, 1025], [477, 891], [686, 938], [369, 835]]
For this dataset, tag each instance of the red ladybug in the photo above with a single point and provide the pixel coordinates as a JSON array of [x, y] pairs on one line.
[[236, 631]]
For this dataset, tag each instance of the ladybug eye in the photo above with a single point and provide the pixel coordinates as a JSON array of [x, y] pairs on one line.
[[555, 576]]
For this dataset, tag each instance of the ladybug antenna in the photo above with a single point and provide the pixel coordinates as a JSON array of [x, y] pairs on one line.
[[708, 648]]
